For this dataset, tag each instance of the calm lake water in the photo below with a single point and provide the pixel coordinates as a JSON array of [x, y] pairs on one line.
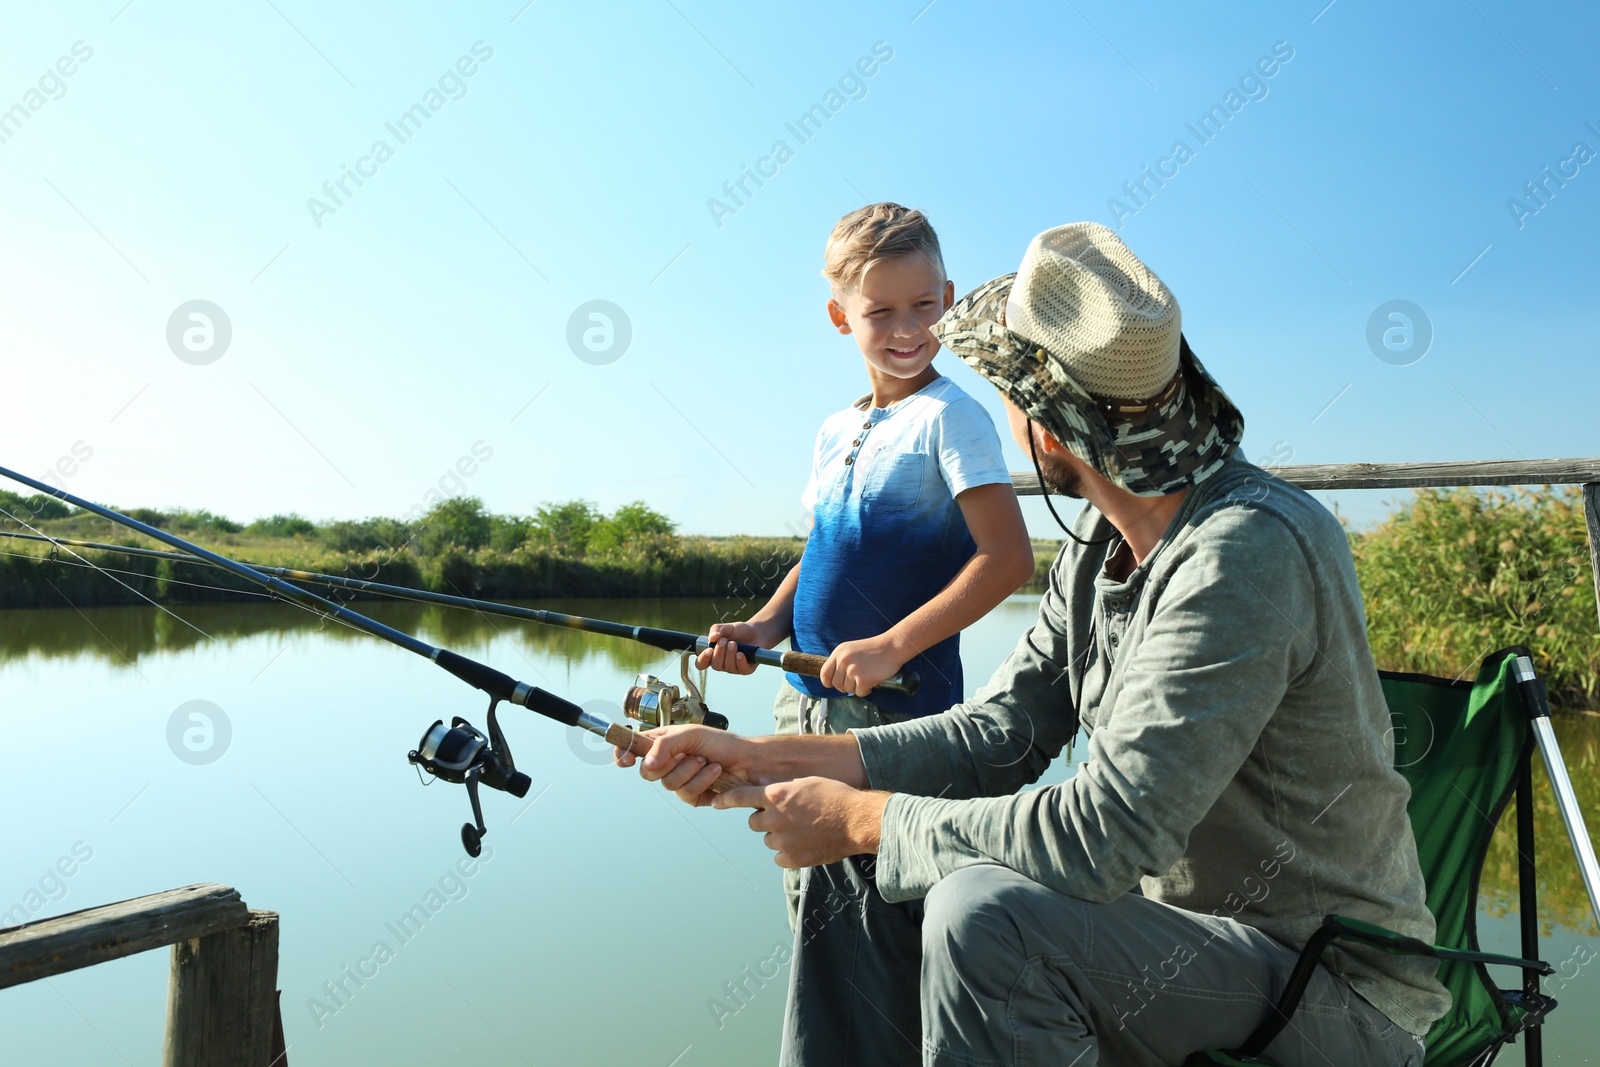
[[604, 920]]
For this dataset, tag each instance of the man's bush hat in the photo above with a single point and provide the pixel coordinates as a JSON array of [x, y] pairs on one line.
[[1086, 341]]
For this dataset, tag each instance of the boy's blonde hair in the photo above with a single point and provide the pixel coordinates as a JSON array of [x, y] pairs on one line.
[[873, 233]]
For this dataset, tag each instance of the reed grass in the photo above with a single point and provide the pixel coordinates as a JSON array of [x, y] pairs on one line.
[[1460, 573]]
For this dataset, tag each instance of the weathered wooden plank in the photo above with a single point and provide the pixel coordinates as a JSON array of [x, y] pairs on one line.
[[1411, 475], [96, 935], [1591, 512], [222, 1000]]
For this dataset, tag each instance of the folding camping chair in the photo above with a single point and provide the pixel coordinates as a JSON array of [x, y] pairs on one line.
[[1466, 749]]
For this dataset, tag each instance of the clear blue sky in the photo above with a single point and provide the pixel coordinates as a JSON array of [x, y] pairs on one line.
[[431, 305]]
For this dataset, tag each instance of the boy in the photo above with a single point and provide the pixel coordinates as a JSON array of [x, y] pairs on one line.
[[916, 530]]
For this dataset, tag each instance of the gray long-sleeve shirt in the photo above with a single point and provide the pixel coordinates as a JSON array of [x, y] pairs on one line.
[[1240, 756]]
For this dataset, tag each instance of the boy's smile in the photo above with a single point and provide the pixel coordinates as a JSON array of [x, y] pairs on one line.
[[889, 311]]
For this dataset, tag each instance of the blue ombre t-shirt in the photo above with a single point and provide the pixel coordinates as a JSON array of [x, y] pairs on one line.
[[887, 533]]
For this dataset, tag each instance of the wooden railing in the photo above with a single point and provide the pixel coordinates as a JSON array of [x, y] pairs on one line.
[[222, 997], [1584, 472]]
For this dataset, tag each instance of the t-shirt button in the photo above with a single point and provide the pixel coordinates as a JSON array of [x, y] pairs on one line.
[[856, 443], [849, 460], [866, 425]]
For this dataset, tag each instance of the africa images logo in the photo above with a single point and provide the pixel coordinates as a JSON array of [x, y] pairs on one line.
[[199, 732], [852, 85], [336, 192]]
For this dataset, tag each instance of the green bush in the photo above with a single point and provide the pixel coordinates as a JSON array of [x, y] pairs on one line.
[[290, 525], [1461, 573], [36, 507], [630, 524], [457, 523], [368, 535], [507, 533], [564, 529], [184, 519]]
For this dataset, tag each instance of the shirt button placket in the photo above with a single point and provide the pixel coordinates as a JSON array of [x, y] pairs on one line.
[[851, 458]]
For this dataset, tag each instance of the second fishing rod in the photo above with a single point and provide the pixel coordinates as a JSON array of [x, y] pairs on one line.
[[667, 640], [459, 752]]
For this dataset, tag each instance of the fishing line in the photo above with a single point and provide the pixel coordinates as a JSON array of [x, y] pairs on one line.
[[267, 596], [1044, 490], [40, 533], [179, 557], [141, 574]]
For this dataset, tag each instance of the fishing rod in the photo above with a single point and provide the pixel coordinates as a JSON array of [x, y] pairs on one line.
[[667, 640], [460, 752]]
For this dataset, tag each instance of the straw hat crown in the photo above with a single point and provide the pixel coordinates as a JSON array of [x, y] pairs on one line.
[[1084, 296], [1086, 341]]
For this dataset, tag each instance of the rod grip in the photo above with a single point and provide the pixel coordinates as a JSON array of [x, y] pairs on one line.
[[639, 745], [907, 682], [803, 663]]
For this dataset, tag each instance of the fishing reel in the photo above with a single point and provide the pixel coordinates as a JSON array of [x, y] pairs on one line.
[[656, 703], [464, 754]]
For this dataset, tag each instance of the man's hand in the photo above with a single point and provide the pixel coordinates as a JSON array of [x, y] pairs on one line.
[[687, 759], [858, 666], [723, 655], [810, 821]]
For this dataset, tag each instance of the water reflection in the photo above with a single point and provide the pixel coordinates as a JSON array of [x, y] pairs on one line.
[[1563, 904], [121, 635]]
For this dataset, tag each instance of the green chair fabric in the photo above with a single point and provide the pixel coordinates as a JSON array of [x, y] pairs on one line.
[[1462, 746]]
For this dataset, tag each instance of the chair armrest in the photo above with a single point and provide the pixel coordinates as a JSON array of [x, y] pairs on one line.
[[1400, 945]]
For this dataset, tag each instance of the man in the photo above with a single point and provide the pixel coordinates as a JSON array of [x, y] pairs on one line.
[[1205, 627]]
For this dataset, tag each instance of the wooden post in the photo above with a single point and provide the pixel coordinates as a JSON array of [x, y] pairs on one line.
[[1591, 512], [222, 999]]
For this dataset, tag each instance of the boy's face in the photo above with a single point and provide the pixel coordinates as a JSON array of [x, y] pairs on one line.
[[889, 311]]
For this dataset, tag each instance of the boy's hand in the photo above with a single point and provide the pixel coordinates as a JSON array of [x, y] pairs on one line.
[[724, 656], [811, 820], [858, 666]]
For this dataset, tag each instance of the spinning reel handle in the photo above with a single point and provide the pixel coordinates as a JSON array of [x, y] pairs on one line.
[[907, 682], [622, 737]]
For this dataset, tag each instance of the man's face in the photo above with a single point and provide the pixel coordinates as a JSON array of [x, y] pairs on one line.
[[889, 311], [1062, 472]]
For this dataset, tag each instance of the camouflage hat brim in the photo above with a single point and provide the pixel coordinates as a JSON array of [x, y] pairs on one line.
[[1177, 443]]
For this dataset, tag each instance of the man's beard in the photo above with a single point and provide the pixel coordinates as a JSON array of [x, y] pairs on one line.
[[1062, 479], [1058, 478]]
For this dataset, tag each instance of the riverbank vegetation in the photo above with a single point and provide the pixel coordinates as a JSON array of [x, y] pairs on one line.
[[1460, 573], [1447, 579], [570, 549]]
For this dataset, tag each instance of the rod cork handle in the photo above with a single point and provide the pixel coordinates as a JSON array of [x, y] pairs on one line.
[[639, 745], [806, 663]]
